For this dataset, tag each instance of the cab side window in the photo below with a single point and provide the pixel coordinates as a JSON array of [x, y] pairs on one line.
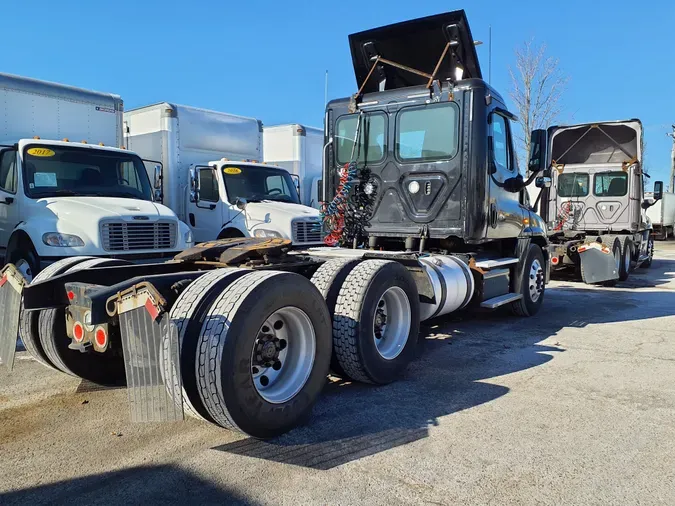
[[501, 142], [208, 185], [8, 170]]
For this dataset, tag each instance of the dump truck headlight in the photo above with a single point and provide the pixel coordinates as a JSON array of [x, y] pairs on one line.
[[62, 240]]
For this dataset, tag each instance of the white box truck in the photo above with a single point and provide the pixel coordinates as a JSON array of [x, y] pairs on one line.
[[299, 150], [662, 215], [66, 188], [212, 176]]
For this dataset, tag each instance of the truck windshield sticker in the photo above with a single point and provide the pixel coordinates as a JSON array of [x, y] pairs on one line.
[[42, 152], [232, 170], [45, 179]]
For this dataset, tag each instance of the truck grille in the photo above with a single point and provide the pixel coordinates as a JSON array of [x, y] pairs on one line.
[[306, 232], [138, 236]]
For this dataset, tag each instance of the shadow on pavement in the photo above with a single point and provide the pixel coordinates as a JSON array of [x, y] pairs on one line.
[[352, 421], [137, 485]]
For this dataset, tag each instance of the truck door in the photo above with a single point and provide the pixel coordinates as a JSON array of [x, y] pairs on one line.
[[9, 206], [506, 212], [205, 207]]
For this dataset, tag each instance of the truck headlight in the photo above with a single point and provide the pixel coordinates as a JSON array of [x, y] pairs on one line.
[[188, 237], [263, 232], [62, 240]]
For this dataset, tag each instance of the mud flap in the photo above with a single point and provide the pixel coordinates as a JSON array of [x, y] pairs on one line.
[[11, 290], [597, 263], [151, 360]]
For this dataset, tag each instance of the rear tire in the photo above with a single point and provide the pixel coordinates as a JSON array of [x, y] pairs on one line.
[[626, 258], [532, 284], [187, 314], [328, 279], [101, 368], [650, 251], [234, 335], [28, 320], [360, 316]]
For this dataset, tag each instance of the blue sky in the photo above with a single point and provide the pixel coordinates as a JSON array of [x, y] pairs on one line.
[[267, 59]]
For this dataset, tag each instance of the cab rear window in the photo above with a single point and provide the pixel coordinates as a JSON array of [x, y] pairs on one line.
[[611, 184], [573, 185]]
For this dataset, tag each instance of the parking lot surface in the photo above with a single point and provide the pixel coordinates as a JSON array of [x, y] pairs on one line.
[[573, 406]]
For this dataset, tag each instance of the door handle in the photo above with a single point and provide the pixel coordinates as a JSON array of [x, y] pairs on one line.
[[7, 200]]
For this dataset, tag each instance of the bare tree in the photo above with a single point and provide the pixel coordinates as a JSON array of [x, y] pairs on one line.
[[538, 84]]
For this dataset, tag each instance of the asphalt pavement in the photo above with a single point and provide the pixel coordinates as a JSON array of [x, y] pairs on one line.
[[573, 406]]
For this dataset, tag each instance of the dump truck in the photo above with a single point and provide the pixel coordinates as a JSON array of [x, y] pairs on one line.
[[592, 198], [424, 214]]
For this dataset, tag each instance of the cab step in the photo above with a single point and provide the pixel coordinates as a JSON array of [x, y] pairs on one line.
[[495, 302], [498, 262]]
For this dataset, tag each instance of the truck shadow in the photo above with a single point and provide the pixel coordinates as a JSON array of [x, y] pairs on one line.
[[161, 484], [458, 357]]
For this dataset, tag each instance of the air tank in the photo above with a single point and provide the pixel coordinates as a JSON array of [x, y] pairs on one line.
[[452, 282]]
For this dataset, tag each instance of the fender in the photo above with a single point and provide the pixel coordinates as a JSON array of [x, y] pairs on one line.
[[229, 232]]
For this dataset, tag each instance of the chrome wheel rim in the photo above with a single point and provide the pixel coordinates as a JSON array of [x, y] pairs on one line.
[[617, 258], [283, 355], [391, 323], [536, 280], [24, 268]]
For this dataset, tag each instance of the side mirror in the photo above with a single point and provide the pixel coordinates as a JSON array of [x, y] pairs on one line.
[[157, 197], [194, 185], [296, 181], [543, 182], [240, 203], [537, 160], [658, 190], [158, 177]]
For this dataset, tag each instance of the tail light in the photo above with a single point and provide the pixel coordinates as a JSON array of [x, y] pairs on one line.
[[101, 337], [78, 332]]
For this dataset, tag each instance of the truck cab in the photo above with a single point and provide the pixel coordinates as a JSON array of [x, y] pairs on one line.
[[60, 199], [247, 199], [593, 200], [432, 154]]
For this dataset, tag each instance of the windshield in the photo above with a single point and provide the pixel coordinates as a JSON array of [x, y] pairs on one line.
[[256, 184], [51, 171], [573, 185]]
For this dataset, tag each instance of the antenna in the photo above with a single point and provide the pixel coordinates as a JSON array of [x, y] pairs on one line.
[[325, 92], [490, 56], [672, 161]]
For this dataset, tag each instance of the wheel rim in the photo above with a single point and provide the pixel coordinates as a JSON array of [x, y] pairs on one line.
[[617, 258], [536, 284], [391, 323], [283, 355], [24, 268]]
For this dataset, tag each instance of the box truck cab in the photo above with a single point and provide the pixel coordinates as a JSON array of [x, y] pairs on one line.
[[61, 198], [201, 191], [240, 199]]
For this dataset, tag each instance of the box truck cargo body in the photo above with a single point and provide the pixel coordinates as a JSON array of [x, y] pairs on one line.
[[299, 150], [212, 176], [662, 215], [66, 188]]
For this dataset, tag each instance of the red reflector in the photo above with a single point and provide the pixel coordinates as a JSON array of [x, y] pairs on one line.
[[3, 280], [101, 337], [555, 260], [78, 331], [151, 309], [71, 295]]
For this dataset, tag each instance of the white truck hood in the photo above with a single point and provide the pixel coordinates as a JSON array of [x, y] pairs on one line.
[[97, 208], [296, 222]]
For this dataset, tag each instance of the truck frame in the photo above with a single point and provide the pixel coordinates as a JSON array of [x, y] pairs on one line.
[[242, 332], [592, 198]]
